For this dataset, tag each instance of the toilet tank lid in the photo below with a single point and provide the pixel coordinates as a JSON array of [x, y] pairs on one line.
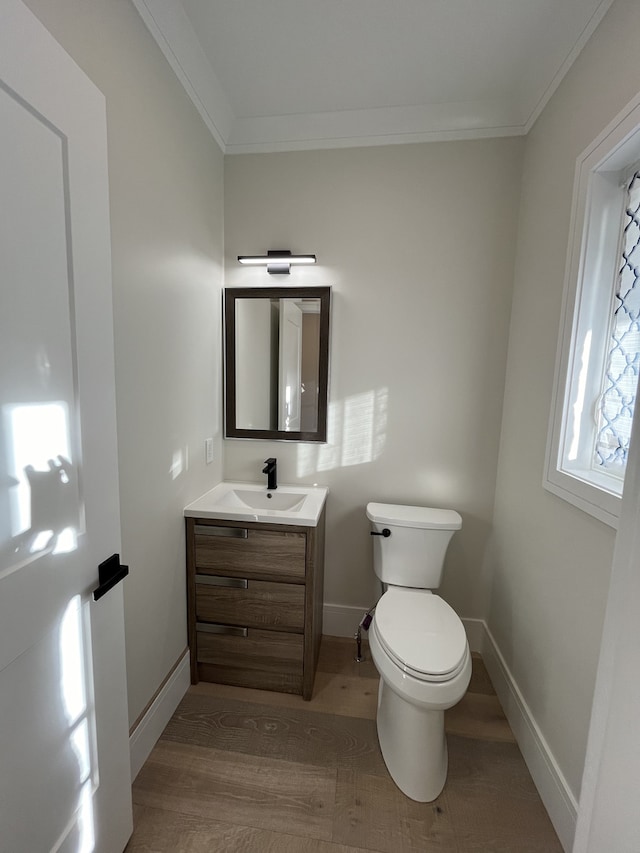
[[414, 516]]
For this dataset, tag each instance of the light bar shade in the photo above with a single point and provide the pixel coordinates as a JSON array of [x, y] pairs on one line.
[[277, 261]]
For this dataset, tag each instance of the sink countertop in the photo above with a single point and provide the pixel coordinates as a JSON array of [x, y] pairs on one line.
[[222, 502]]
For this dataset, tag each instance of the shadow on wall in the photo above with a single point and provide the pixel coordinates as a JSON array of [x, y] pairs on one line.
[[356, 434], [466, 578]]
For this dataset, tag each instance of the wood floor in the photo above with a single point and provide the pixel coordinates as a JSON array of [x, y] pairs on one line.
[[247, 771]]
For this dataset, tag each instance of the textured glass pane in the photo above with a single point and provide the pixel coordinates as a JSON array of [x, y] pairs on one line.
[[615, 412]]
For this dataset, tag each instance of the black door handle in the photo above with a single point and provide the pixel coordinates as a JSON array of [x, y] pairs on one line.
[[110, 573], [384, 532]]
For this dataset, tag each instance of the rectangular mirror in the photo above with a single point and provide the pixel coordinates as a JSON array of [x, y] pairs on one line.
[[276, 362]]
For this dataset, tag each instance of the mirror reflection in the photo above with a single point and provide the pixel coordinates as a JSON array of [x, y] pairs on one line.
[[276, 365]]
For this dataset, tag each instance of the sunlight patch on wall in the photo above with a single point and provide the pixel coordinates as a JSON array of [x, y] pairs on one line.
[[179, 462], [356, 434]]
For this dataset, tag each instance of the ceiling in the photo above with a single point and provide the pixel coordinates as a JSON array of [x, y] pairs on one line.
[[281, 75]]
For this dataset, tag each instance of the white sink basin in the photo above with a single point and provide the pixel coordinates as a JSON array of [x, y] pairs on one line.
[[297, 505], [264, 499]]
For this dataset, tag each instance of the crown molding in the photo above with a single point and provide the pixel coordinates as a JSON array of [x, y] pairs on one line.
[[171, 28], [571, 57], [167, 22], [390, 126]]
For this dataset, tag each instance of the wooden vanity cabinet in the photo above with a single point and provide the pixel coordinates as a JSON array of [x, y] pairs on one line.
[[254, 594]]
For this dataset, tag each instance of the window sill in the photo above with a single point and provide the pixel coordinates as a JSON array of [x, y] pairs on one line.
[[597, 502]]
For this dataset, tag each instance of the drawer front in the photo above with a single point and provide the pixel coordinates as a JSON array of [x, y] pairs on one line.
[[269, 660], [268, 554], [260, 605]]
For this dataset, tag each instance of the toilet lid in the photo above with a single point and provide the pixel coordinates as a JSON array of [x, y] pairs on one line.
[[421, 633]]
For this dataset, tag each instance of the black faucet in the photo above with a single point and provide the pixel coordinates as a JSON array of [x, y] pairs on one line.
[[271, 470]]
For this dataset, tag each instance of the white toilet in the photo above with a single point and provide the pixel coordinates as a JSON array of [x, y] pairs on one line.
[[418, 644]]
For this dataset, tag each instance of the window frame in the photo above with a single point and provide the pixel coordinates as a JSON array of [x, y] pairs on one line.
[[596, 218]]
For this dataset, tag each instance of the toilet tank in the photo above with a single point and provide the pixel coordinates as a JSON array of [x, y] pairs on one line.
[[413, 554]]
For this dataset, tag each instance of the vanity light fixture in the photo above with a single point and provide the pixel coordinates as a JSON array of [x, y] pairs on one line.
[[277, 261]]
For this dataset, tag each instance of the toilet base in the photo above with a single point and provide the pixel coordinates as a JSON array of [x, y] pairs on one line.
[[413, 745]]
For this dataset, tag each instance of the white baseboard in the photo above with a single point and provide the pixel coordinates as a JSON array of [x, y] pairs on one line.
[[547, 776], [143, 738]]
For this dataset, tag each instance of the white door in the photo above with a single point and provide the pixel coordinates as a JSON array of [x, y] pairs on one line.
[[64, 756], [290, 366]]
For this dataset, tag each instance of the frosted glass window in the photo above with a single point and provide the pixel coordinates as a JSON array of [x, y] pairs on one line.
[[618, 398]]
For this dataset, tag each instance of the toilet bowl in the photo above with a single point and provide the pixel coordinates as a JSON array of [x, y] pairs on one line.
[[418, 645]]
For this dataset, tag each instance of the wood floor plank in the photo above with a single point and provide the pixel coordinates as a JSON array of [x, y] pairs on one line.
[[480, 681], [484, 821], [480, 716], [292, 734], [249, 771], [332, 694], [493, 802], [493, 767], [338, 655], [245, 790], [346, 695], [373, 812], [160, 831]]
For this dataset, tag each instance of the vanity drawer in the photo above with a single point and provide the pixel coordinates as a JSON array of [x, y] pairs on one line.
[[268, 660], [249, 553], [258, 604]]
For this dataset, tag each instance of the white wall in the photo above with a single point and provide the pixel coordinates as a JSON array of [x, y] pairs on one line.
[[165, 175], [417, 242], [551, 562]]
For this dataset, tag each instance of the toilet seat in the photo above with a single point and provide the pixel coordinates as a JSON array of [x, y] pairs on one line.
[[421, 634]]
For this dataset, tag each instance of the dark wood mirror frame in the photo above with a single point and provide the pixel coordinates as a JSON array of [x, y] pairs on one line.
[[231, 294]]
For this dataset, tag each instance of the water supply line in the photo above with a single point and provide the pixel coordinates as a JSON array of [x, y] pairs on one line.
[[365, 622]]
